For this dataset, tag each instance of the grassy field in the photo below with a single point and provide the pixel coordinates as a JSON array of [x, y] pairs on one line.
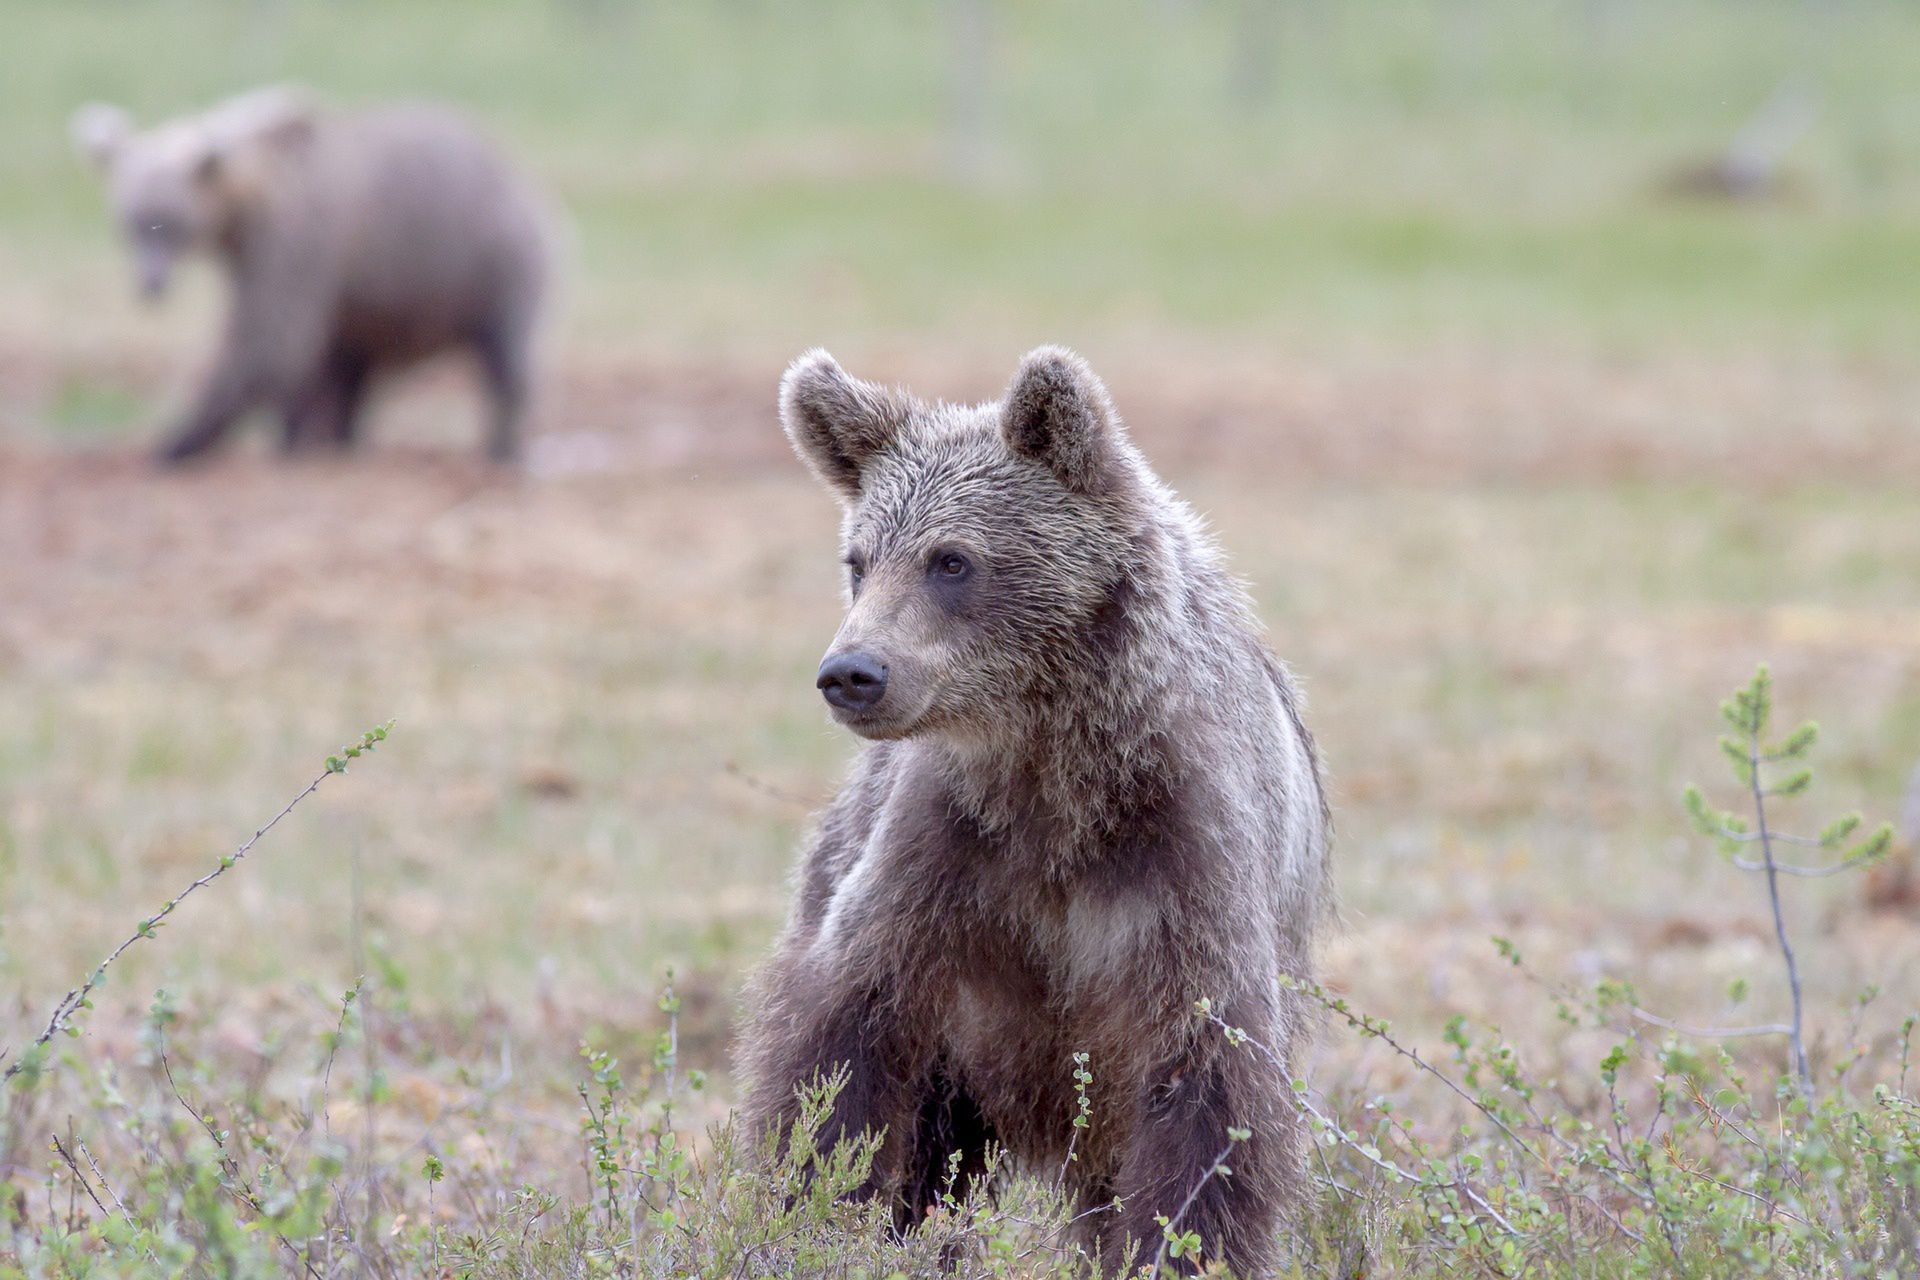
[[753, 176], [1526, 462]]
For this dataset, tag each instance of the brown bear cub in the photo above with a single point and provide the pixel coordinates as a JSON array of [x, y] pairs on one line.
[[357, 242], [1089, 801]]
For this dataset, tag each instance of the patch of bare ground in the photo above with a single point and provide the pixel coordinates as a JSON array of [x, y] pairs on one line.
[[1443, 414], [1515, 589], [1440, 416]]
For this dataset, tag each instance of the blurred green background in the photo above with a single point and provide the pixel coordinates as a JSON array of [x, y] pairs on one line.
[[752, 174]]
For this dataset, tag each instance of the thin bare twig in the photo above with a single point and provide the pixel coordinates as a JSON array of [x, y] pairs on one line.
[[1770, 1205], [1808, 873], [233, 1178], [101, 1175], [1217, 1167], [1740, 836], [1373, 1157], [772, 791], [1392, 1169], [1802, 1072], [1378, 1031], [333, 1052], [1712, 1033], [79, 1178], [76, 999]]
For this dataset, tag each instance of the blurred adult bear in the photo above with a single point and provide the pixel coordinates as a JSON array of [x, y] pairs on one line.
[[357, 242], [1089, 801]]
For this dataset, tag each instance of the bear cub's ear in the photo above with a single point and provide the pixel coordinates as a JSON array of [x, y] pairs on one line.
[[838, 423], [1058, 414]]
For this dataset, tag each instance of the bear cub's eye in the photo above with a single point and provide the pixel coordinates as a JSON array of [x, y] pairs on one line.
[[855, 572], [951, 565]]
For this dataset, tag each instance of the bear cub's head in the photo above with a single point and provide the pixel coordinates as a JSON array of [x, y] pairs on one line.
[[982, 543], [182, 186]]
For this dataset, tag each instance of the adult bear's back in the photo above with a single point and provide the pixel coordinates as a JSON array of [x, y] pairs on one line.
[[439, 234]]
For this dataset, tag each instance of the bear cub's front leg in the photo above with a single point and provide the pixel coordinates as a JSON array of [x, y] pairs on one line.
[[834, 1035]]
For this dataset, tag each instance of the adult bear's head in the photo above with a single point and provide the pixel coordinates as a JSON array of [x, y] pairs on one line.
[[984, 544], [187, 185]]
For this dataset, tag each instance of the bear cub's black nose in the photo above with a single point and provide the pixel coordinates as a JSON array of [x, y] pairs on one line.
[[852, 681]]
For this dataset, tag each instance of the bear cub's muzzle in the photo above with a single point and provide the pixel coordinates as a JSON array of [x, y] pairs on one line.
[[852, 681]]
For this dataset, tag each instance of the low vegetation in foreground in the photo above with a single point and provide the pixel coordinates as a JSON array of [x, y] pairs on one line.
[[1682, 1150], [1533, 453]]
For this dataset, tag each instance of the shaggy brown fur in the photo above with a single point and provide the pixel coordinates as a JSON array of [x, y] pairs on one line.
[[1089, 802], [357, 242]]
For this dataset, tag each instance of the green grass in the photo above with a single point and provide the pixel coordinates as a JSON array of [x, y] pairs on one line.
[[1524, 462], [760, 174]]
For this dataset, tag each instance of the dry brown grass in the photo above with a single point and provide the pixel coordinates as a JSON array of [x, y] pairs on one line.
[[1515, 591]]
